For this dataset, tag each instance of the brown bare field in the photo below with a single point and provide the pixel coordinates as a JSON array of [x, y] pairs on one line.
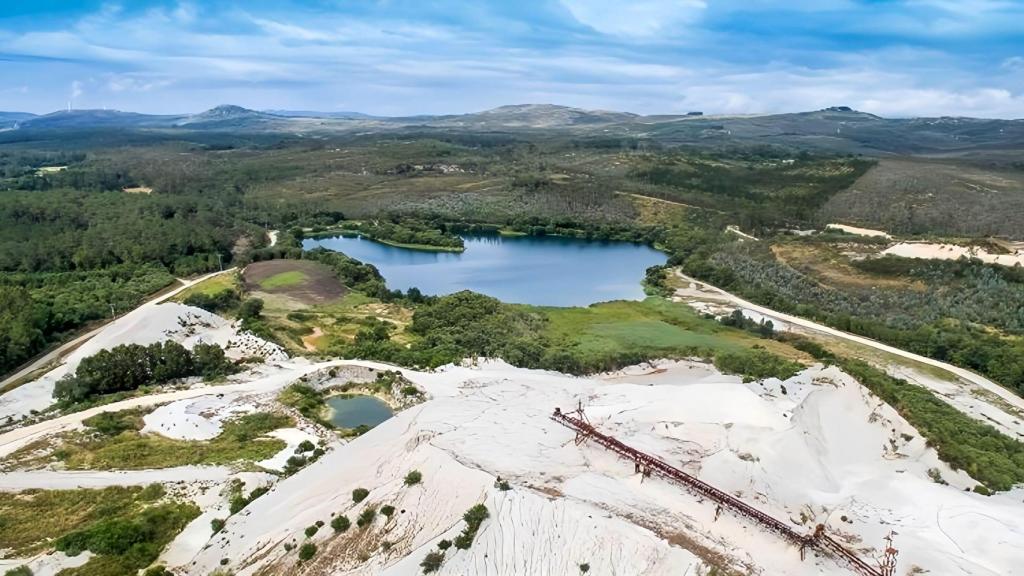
[[830, 265], [307, 282]]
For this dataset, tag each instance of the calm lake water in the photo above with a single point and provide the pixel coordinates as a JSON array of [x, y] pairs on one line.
[[547, 271], [358, 410]]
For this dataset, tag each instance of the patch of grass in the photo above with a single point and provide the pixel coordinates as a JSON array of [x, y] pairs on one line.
[[284, 280], [239, 441], [613, 334], [210, 287], [31, 519], [114, 423], [756, 364]]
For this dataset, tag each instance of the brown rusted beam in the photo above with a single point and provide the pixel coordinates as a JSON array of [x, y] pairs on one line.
[[650, 464]]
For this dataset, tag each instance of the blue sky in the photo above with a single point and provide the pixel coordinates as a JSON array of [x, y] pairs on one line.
[[396, 57]]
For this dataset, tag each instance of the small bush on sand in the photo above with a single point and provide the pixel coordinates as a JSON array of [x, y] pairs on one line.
[[341, 523], [432, 562], [413, 477], [307, 551], [360, 494]]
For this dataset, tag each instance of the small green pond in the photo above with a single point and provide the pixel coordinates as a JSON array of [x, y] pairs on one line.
[[354, 410]]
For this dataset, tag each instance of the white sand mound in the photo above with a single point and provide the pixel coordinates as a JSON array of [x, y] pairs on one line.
[[952, 252], [145, 325], [815, 448], [195, 418], [859, 231]]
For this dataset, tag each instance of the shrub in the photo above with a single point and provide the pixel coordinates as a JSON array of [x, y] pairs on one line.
[[366, 517], [251, 308], [473, 517], [584, 568], [359, 494], [387, 510], [340, 524], [217, 524], [311, 530], [444, 544], [19, 571], [305, 446], [307, 551], [410, 391], [432, 562], [413, 477], [294, 464]]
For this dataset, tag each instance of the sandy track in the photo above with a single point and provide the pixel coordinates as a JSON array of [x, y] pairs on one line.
[[70, 479]]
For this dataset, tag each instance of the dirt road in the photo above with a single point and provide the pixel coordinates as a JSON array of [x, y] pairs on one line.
[[967, 375]]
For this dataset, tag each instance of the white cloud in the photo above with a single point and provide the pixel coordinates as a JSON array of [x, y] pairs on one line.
[[383, 65], [635, 18], [285, 31]]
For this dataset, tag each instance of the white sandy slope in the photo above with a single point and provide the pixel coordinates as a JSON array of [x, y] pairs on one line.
[[952, 252], [859, 231], [145, 325], [824, 449], [47, 564]]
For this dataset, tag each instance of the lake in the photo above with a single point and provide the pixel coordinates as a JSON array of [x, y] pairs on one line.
[[351, 411], [540, 270]]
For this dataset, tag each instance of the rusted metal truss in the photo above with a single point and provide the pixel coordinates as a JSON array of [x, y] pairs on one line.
[[646, 465]]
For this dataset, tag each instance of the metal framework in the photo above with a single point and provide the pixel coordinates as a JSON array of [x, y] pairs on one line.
[[646, 465]]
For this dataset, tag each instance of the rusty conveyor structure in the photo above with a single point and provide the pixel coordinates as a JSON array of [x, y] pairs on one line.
[[647, 465]]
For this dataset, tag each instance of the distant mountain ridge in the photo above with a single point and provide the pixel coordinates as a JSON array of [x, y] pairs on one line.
[[836, 129]]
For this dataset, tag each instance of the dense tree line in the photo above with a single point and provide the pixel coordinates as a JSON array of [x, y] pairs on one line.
[[38, 308], [130, 366]]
